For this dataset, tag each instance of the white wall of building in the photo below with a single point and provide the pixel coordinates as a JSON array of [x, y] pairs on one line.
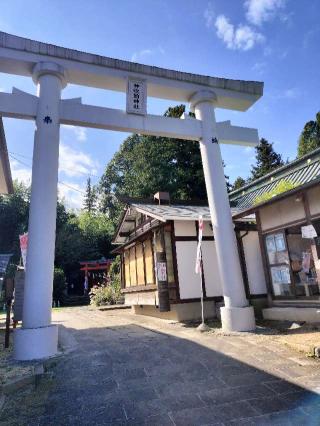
[[211, 270], [185, 228], [189, 281], [256, 278]]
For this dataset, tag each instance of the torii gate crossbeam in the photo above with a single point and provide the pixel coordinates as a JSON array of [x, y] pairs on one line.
[[52, 68]]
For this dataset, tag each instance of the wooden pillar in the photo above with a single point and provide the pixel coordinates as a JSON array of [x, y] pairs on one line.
[[161, 270]]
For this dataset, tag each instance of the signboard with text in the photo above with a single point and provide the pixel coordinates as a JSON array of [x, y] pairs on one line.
[[137, 97], [308, 231]]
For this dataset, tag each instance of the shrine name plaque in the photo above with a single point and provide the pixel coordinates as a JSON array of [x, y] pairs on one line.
[[137, 97]]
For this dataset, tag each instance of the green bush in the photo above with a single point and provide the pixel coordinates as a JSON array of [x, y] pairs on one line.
[[105, 295], [109, 293], [282, 186], [59, 283]]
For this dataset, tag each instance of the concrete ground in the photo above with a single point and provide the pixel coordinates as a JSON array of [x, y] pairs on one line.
[[121, 369]]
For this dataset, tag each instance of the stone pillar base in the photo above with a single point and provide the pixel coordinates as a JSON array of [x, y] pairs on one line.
[[35, 343], [238, 319]]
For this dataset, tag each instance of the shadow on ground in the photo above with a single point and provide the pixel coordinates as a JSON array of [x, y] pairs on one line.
[[126, 375]]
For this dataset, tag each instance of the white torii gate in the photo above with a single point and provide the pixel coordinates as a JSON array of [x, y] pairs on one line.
[[52, 68]]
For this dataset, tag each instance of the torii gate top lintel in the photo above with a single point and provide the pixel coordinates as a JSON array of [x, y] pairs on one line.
[[19, 55]]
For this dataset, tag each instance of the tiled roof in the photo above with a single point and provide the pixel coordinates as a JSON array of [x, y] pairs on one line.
[[299, 172], [177, 212]]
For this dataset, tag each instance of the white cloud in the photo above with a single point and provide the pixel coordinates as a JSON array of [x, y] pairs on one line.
[[75, 163], [72, 197], [20, 173], [291, 93], [259, 67], [79, 132], [259, 11], [209, 15], [144, 53], [242, 38]]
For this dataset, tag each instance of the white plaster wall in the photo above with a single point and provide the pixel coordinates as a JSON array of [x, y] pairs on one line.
[[189, 281], [207, 231], [184, 228], [314, 200], [281, 213], [210, 268], [256, 278]]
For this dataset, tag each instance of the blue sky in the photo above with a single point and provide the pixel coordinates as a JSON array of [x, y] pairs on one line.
[[275, 41]]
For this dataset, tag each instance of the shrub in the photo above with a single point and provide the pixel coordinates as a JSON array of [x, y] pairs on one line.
[[282, 186], [59, 283], [105, 295], [109, 293]]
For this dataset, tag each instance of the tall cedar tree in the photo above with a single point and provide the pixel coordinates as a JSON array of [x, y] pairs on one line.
[[310, 137], [238, 183], [90, 198], [147, 164], [267, 160]]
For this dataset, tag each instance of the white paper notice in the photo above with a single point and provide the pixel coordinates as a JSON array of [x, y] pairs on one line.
[[308, 231], [162, 271]]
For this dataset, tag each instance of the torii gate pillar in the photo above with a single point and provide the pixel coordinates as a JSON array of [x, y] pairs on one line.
[[38, 338], [236, 315]]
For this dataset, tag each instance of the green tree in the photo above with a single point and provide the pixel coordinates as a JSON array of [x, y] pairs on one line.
[[267, 160], [238, 183], [310, 137], [14, 213], [147, 164], [90, 198]]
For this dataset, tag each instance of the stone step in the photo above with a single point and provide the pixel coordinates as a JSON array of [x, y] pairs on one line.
[[292, 314]]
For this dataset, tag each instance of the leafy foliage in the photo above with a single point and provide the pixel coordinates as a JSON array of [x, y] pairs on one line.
[[90, 199], [282, 186], [59, 283], [105, 295], [267, 159], [14, 212], [238, 183], [310, 137], [147, 164], [109, 293]]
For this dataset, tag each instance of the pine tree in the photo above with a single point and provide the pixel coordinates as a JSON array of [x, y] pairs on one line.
[[267, 160], [90, 198], [310, 137], [238, 183]]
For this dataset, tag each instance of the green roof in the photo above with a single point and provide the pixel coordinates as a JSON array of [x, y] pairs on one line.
[[299, 172]]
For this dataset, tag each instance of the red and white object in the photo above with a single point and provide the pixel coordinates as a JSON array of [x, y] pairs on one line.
[[24, 248], [199, 254]]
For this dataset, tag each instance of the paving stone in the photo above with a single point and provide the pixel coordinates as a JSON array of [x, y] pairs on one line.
[[123, 374], [269, 405], [159, 420], [213, 415], [248, 378], [195, 417], [283, 387], [303, 398], [284, 418]]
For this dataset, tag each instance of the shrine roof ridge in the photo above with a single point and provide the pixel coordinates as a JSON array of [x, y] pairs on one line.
[[9, 41]]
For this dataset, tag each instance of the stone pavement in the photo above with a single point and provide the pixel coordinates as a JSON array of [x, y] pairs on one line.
[[122, 369]]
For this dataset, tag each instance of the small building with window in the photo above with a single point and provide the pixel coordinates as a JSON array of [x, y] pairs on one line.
[[157, 232], [289, 233]]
